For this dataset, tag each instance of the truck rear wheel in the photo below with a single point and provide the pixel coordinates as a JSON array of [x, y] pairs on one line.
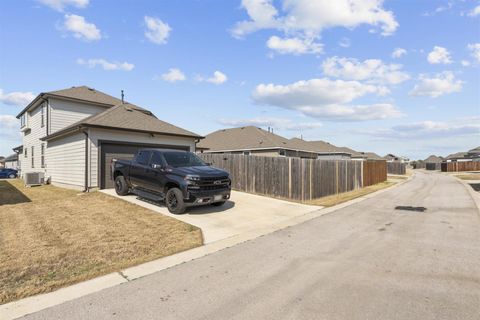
[[121, 186], [174, 201]]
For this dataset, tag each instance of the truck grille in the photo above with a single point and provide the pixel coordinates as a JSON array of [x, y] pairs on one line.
[[214, 183]]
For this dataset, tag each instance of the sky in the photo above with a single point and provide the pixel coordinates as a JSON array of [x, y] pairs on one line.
[[398, 77]]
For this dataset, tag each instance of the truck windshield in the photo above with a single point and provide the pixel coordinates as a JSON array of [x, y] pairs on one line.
[[182, 159]]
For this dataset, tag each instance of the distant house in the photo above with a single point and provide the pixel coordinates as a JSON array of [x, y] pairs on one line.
[[71, 136], [11, 162], [252, 140], [474, 154], [2, 162], [393, 158], [458, 157], [433, 162]]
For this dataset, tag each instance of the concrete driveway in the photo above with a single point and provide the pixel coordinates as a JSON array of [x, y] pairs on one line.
[[365, 261], [244, 212]]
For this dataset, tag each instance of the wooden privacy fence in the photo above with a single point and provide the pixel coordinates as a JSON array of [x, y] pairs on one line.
[[460, 166], [396, 168], [294, 178], [374, 171], [433, 165]]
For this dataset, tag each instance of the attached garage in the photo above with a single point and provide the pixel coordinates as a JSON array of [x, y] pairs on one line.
[[118, 132], [111, 150]]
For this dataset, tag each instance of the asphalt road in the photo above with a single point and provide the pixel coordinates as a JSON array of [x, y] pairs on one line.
[[366, 261]]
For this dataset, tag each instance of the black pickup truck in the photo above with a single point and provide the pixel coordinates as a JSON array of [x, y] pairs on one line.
[[179, 178]]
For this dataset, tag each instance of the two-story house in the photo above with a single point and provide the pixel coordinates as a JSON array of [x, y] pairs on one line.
[[72, 135]]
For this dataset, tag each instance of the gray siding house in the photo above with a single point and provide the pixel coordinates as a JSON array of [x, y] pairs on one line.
[[72, 135]]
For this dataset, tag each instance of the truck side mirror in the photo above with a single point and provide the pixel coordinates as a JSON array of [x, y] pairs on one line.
[[157, 166]]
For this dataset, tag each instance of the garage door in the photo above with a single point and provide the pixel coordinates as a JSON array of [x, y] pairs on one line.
[[109, 151]]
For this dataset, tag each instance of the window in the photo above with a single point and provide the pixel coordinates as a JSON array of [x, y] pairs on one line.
[[42, 155], [23, 121], [246, 153], [156, 159], [25, 152], [282, 152], [143, 157], [178, 159], [33, 162], [42, 115]]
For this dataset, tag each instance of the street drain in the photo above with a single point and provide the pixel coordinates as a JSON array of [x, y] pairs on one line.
[[410, 208]]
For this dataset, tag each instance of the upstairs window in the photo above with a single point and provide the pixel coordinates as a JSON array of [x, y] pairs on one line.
[[23, 120], [33, 161], [25, 152]]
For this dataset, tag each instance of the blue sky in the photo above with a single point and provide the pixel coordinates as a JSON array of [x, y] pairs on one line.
[[385, 76]]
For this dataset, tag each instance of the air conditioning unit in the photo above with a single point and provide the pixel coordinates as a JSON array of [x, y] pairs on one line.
[[34, 178]]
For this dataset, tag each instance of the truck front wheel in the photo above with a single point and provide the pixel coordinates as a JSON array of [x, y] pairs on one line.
[[121, 186], [174, 201]]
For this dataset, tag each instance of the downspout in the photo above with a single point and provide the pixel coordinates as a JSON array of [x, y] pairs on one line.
[[86, 162]]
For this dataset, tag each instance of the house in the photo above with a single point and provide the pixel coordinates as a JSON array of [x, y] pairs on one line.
[[458, 157], [11, 162], [2, 161], [474, 154], [433, 162], [71, 136], [251, 140], [393, 158]]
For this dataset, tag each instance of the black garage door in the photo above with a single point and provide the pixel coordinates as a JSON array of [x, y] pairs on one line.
[[109, 151]]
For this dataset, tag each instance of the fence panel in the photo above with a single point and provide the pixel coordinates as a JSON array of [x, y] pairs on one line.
[[460, 166], [295, 178], [396, 168], [374, 171]]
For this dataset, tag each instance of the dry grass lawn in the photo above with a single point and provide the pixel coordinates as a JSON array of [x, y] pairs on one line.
[[469, 176], [332, 200], [52, 237]]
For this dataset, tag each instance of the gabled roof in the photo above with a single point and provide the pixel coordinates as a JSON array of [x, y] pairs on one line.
[[371, 156], [242, 138], [127, 117], [474, 150], [458, 155], [433, 159], [390, 157], [318, 146], [82, 93]]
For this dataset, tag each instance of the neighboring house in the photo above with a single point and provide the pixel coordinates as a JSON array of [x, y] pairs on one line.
[[458, 157], [474, 154], [2, 162], [252, 140], [433, 162], [393, 158], [11, 162], [72, 135]]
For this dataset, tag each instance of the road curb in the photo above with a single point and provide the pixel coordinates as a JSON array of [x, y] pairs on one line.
[[39, 302], [473, 194]]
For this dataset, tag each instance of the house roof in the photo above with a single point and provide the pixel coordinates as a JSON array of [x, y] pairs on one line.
[[18, 149], [458, 155], [12, 157], [82, 93], [318, 146], [433, 159], [243, 138], [127, 117], [371, 156], [474, 150]]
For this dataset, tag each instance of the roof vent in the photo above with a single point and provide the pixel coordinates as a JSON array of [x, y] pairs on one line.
[[91, 89]]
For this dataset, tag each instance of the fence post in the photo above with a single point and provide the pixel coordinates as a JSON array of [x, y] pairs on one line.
[[290, 178], [361, 174], [336, 174]]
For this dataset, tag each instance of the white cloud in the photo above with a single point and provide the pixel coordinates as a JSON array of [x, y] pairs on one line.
[[439, 55], [325, 98], [277, 123], [475, 51], [19, 99], [173, 75], [157, 30], [371, 70], [307, 19], [429, 129], [398, 52], [106, 65], [217, 78], [8, 122], [440, 84], [60, 5], [465, 63], [475, 11], [80, 28], [294, 45]]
